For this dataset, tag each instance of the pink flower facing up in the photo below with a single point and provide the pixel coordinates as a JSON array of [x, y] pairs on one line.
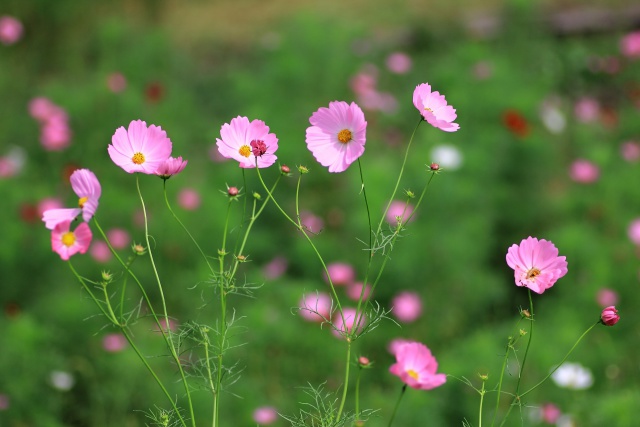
[[170, 167], [10, 30], [87, 188], [536, 264], [407, 307], [315, 307], [247, 142], [609, 316], [434, 109], [265, 415], [140, 148], [337, 135], [67, 243], [416, 367]]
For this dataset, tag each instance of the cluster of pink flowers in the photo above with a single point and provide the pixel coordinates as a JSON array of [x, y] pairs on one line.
[[55, 133]]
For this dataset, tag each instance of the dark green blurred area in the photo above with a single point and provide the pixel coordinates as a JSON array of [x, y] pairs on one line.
[[190, 82]]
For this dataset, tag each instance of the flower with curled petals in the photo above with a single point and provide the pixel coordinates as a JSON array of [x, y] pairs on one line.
[[140, 148], [434, 109], [337, 135], [171, 166], [249, 143], [67, 243], [416, 366], [87, 188], [536, 264]]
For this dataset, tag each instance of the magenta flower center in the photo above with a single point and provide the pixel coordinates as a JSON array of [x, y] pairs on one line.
[[413, 374], [68, 239], [245, 151], [258, 148], [533, 273], [138, 158], [345, 136], [82, 201]]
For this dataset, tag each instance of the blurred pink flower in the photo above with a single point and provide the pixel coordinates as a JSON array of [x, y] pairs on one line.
[[48, 203], [609, 316], [10, 30], [311, 222], [265, 415], [630, 151], [239, 138], [365, 81], [630, 45], [275, 268], [171, 326], [100, 251], [584, 171], [171, 166], [139, 148], [606, 297], [4, 402], [399, 63], [407, 306], [355, 289], [587, 109], [337, 135], [536, 264], [315, 307], [119, 238], [550, 413], [114, 343], [482, 70], [55, 134], [350, 319], [434, 109], [395, 344], [67, 243], [397, 209], [189, 199], [634, 231], [340, 273], [116, 82], [43, 109], [88, 189], [416, 367]]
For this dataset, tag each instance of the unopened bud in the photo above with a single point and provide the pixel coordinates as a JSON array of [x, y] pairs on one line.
[[523, 332], [285, 169], [410, 194], [107, 277], [484, 377], [232, 191], [241, 258], [138, 249], [364, 361], [257, 196], [303, 169], [434, 167], [525, 313]]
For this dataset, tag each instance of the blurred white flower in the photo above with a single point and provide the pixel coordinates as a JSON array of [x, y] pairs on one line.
[[565, 421], [573, 376], [61, 380], [447, 156], [553, 120]]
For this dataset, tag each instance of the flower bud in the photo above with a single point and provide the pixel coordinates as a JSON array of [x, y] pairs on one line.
[[609, 316], [483, 377], [138, 249], [233, 191], [364, 362], [523, 332], [257, 196], [434, 167], [303, 169], [107, 277], [285, 170], [525, 313]]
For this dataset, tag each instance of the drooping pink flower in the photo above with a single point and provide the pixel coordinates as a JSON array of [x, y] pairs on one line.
[[398, 209], [536, 264], [351, 321], [634, 231], [10, 30], [337, 135], [609, 316], [407, 306], [100, 251], [584, 171], [315, 307], [340, 273], [354, 291], [140, 148], [416, 367], [171, 166], [114, 343], [67, 243], [189, 199], [434, 109], [630, 45], [606, 297], [116, 82], [265, 415], [119, 238], [630, 151], [237, 139], [87, 188], [399, 63]]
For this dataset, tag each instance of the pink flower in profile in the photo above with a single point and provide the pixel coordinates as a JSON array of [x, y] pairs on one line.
[[67, 243], [248, 142], [630, 45], [398, 209], [315, 307], [10, 30], [87, 188], [189, 199], [634, 231], [118, 238], [171, 166], [140, 148], [399, 63], [337, 135], [407, 306], [536, 264], [100, 251], [609, 316], [416, 367], [630, 151], [340, 273], [584, 171], [434, 109], [265, 415], [350, 319], [354, 291], [114, 343], [606, 297]]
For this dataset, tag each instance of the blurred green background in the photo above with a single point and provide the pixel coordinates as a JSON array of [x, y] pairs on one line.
[[536, 85]]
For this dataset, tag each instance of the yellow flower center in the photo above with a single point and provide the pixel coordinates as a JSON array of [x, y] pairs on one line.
[[428, 109], [533, 273], [82, 201], [138, 158], [245, 151], [68, 239], [345, 136], [413, 374]]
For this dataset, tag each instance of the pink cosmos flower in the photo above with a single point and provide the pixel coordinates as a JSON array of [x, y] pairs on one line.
[[395, 344], [407, 306], [100, 251], [634, 231], [584, 171], [587, 109], [399, 63], [114, 343], [10, 30], [337, 135], [116, 82], [171, 166], [434, 109], [118, 238], [354, 291], [247, 142], [350, 319], [536, 264], [340, 273], [416, 367], [606, 297], [265, 415], [630, 45], [397, 209], [315, 307], [311, 222], [189, 199], [275, 268], [87, 188], [609, 316], [140, 148], [550, 413], [67, 243], [630, 151]]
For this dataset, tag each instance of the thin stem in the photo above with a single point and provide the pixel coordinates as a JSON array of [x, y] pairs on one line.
[[482, 393], [395, 409], [109, 315], [526, 351], [206, 357], [358, 393], [346, 379]]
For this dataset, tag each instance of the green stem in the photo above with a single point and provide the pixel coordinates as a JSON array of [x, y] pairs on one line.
[[346, 378], [395, 409], [482, 392], [109, 315], [357, 418]]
